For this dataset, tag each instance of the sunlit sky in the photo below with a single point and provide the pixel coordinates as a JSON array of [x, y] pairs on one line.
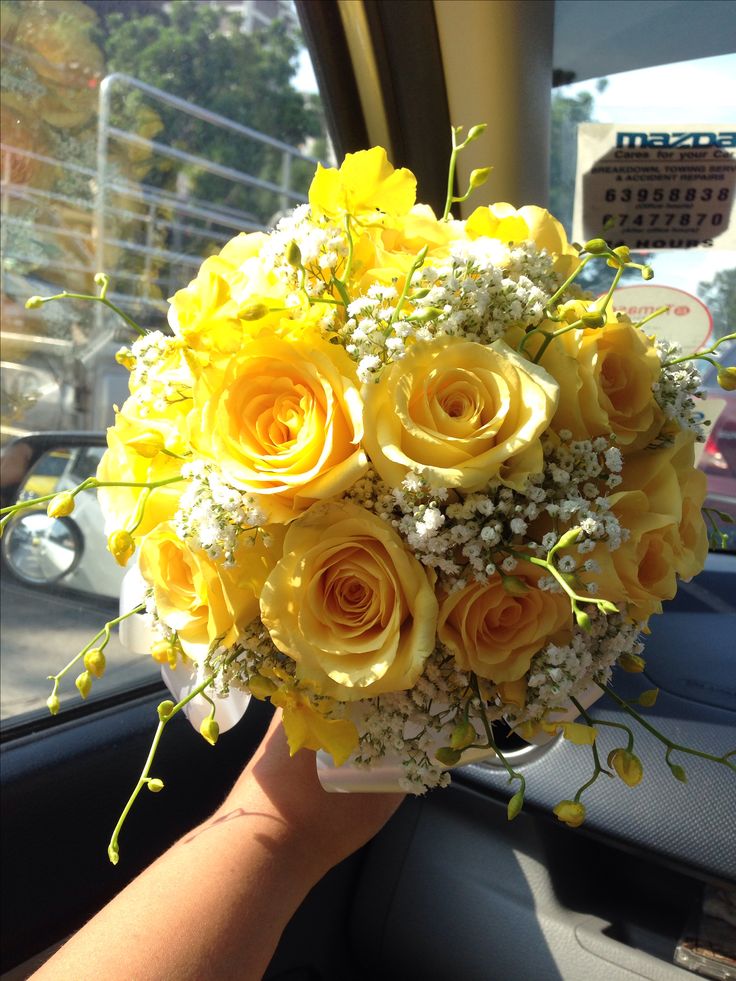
[[694, 92]]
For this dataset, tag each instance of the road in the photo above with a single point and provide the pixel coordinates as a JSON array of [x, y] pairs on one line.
[[40, 632]]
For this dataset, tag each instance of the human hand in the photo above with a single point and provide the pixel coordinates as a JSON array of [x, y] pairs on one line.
[[323, 827]]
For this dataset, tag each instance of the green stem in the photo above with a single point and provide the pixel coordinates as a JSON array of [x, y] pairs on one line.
[[548, 338], [568, 282], [575, 597], [349, 264], [340, 287], [513, 774], [597, 770], [418, 262], [66, 295], [451, 174], [651, 316], [612, 725], [671, 746], [104, 631], [113, 850], [701, 354], [91, 483]]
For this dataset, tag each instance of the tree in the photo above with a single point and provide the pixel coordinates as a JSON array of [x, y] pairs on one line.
[[198, 52], [719, 295]]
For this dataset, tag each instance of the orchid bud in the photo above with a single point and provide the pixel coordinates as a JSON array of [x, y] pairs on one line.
[[479, 176], [155, 785], [632, 663], [61, 505], [84, 683], [164, 652], [125, 358], [569, 538], [515, 805], [294, 255], [94, 662], [256, 311], [209, 730], [648, 698], [514, 586], [678, 772], [448, 756], [122, 546], [570, 812], [165, 709], [34, 302], [647, 273], [593, 319], [462, 736], [727, 379], [53, 704], [623, 255], [475, 131], [583, 620], [597, 246], [606, 606], [627, 766]]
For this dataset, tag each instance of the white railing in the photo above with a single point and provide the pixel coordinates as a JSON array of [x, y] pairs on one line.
[[149, 239]]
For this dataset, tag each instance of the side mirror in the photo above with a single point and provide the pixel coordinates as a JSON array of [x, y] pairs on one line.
[[67, 553], [40, 550]]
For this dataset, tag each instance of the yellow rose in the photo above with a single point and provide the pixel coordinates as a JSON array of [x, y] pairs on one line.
[[350, 604], [231, 292], [153, 426], [605, 376], [121, 462], [202, 600], [529, 224], [673, 486], [365, 183], [494, 632], [169, 377], [307, 728], [463, 413], [641, 572], [283, 420]]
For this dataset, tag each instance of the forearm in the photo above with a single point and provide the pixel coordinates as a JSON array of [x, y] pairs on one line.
[[214, 905]]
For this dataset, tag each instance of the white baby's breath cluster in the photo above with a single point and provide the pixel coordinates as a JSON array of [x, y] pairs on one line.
[[323, 248], [212, 515], [561, 671], [486, 287], [470, 538], [405, 728], [144, 358], [253, 655], [477, 293], [677, 388]]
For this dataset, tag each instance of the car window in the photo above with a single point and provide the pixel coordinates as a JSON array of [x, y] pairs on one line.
[[668, 99], [138, 137]]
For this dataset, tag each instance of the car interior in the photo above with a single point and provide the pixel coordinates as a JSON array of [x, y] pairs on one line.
[[450, 888]]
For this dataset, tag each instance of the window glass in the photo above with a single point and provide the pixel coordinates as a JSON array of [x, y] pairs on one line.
[[665, 97], [138, 137]]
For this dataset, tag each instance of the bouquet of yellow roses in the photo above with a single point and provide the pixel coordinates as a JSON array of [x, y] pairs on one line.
[[401, 476]]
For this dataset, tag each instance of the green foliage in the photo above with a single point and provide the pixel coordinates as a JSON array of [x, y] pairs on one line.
[[198, 53], [719, 295]]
